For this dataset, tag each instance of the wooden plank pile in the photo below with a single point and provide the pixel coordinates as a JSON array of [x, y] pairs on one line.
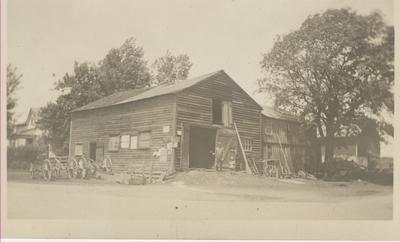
[[277, 169]]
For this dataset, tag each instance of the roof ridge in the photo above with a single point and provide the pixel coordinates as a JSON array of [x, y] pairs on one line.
[[277, 113], [146, 93]]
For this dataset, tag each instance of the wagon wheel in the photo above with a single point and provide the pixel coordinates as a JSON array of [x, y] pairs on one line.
[[45, 174]]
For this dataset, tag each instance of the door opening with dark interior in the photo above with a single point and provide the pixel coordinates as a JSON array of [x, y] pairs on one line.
[[201, 147], [92, 150]]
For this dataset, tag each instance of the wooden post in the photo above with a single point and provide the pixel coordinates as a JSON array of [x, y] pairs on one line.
[[248, 170], [151, 172]]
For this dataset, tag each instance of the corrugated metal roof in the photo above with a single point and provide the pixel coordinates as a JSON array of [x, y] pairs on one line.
[[144, 93], [278, 114]]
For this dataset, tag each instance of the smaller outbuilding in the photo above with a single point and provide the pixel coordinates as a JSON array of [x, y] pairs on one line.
[[282, 138], [27, 132]]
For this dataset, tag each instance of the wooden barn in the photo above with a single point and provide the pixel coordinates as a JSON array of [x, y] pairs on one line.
[[282, 138], [169, 127]]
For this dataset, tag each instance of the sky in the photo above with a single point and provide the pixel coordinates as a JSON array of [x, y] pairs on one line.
[[45, 37]]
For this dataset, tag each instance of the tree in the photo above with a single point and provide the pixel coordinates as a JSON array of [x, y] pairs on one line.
[[170, 68], [337, 69], [84, 85], [124, 68], [13, 84], [78, 89]]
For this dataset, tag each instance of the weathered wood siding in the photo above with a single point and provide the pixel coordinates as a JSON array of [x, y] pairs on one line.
[[194, 107], [285, 142], [126, 119]]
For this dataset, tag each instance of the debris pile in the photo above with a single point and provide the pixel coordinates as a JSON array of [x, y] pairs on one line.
[[343, 170], [305, 175]]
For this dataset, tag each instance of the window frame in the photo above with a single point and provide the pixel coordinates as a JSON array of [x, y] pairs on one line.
[[136, 142], [227, 117], [116, 146], [248, 144], [75, 149], [126, 143]]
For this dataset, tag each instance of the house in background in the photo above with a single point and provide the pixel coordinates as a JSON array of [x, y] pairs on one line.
[[169, 127], [27, 132], [364, 149], [282, 138]]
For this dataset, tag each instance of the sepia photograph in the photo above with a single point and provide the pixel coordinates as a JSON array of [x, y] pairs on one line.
[[225, 119]]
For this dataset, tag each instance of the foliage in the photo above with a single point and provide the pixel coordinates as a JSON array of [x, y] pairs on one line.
[[333, 71], [13, 84], [124, 68], [21, 157], [54, 120], [83, 86], [170, 68]]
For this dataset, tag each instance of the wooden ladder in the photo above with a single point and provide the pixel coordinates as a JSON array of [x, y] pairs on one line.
[[283, 152], [248, 169]]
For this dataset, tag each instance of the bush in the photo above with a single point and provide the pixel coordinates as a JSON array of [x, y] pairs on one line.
[[21, 157]]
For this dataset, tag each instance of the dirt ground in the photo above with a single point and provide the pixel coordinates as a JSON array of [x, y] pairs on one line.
[[198, 195]]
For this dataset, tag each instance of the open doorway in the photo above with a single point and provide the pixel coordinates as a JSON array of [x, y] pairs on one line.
[[201, 147], [92, 150]]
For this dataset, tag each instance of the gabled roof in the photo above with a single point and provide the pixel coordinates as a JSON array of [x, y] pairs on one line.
[[112, 99], [145, 93], [33, 112], [271, 112]]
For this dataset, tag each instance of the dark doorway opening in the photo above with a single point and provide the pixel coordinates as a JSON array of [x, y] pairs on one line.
[[92, 150], [99, 152], [217, 111], [201, 147]]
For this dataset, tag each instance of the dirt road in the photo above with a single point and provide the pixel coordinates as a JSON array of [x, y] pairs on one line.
[[180, 198]]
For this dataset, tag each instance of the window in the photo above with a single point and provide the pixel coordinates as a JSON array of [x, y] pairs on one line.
[[78, 149], [247, 144], [113, 143], [125, 140], [134, 142], [216, 111], [144, 140], [268, 128]]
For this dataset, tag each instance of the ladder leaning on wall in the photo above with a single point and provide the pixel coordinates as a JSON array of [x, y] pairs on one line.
[[283, 152]]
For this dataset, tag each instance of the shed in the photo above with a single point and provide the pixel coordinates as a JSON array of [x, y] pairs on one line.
[[283, 138]]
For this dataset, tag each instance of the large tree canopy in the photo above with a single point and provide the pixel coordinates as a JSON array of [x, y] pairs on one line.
[[13, 84], [124, 68], [334, 71], [170, 68]]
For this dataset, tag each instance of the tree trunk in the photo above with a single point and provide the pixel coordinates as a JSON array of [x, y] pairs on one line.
[[329, 144]]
